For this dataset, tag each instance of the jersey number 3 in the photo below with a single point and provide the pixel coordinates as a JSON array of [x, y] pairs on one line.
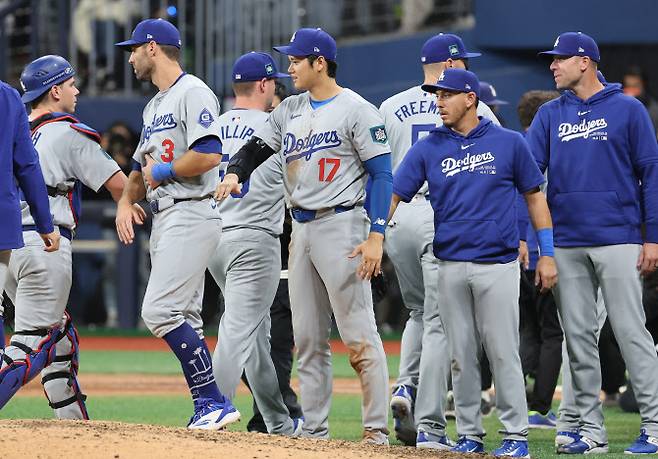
[[168, 155], [328, 168]]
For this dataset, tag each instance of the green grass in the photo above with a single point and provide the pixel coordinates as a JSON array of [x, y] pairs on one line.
[[345, 418], [164, 363]]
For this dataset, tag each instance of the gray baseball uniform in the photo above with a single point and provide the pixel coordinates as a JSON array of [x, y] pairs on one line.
[[39, 282], [409, 116], [246, 266], [324, 150], [187, 226]]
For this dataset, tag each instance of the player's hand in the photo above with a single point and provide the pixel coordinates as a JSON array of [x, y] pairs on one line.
[[147, 171], [51, 240], [546, 274], [229, 185], [524, 255], [127, 214], [647, 262], [371, 250]]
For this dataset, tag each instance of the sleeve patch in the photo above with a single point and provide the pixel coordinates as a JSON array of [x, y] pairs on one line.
[[205, 118], [378, 134]]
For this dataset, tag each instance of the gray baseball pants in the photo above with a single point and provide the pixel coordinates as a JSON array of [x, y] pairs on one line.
[[482, 309], [582, 270]]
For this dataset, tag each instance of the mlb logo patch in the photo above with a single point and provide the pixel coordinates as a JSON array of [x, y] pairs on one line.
[[237, 76], [205, 118], [557, 42], [269, 70], [378, 134], [442, 76], [453, 50], [316, 49]]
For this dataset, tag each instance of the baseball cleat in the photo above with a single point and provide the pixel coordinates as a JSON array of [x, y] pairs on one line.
[[583, 445], [467, 446], [536, 420], [565, 437], [427, 440], [513, 448], [213, 415], [403, 417], [297, 425], [375, 437], [644, 444]]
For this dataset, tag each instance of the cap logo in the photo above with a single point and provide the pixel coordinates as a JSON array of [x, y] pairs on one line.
[[269, 70], [149, 36], [493, 91], [581, 50], [557, 41], [423, 59], [238, 76], [293, 37], [453, 50], [467, 86], [316, 49], [68, 70], [23, 86], [442, 76], [179, 43]]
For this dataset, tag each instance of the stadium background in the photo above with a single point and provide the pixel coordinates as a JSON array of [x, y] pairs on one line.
[[379, 43]]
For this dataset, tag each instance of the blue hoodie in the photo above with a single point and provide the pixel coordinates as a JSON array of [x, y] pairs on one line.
[[473, 183], [602, 161]]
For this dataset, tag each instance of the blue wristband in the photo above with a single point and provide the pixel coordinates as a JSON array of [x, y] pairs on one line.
[[545, 239], [162, 172]]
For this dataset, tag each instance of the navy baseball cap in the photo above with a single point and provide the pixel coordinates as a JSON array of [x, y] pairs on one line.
[[455, 80], [307, 42], [488, 94], [255, 66], [575, 44], [442, 47], [42, 74], [158, 30]]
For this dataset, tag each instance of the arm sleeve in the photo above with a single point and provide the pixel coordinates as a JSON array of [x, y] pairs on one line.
[[89, 162], [538, 138], [201, 112], [207, 144], [526, 172], [522, 217], [251, 155], [369, 136], [411, 173], [644, 155], [28, 172], [379, 170]]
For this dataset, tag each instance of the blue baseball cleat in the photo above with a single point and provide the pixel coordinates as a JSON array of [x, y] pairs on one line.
[[427, 440], [583, 445], [644, 444], [565, 437], [466, 445], [513, 448], [211, 414], [536, 420]]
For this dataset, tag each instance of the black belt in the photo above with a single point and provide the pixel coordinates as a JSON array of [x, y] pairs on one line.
[[67, 233], [304, 215], [158, 205]]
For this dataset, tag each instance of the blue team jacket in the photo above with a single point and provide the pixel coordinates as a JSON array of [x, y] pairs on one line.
[[473, 185], [602, 161], [19, 163]]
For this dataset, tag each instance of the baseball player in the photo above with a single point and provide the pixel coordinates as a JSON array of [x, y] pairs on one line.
[[39, 283], [600, 151], [409, 116], [332, 139], [19, 164], [473, 169], [175, 168], [244, 263]]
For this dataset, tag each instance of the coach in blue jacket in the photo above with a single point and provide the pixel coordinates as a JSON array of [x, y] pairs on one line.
[[474, 170], [19, 163], [600, 150]]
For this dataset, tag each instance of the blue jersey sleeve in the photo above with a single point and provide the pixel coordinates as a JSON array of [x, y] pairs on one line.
[[526, 173], [207, 144], [644, 155], [522, 217], [28, 172], [410, 175], [379, 193], [538, 138]]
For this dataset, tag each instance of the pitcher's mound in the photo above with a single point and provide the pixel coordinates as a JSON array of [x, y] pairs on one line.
[[22, 439]]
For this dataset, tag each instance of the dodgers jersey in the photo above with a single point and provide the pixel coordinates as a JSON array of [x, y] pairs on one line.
[[602, 161], [473, 183], [173, 120], [260, 204], [410, 115], [66, 156], [324, 149]]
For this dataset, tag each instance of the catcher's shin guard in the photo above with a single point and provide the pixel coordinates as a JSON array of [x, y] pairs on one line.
[[60, 382], [22, 362]]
